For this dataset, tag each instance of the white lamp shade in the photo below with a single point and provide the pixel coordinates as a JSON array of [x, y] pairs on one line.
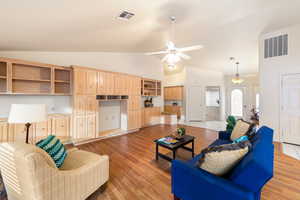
[[27, 113]]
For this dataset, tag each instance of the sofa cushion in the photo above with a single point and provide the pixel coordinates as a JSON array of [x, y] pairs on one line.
[[219, 160], [54, 148], [241, 128]]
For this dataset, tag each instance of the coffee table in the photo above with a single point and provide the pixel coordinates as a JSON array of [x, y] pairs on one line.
[[186, 139]]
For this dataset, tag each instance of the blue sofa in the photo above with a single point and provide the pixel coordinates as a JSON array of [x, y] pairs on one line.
[[244, 182]]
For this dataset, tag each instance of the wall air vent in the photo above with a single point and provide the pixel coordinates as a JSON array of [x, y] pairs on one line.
[[276, 46], [125, 15]]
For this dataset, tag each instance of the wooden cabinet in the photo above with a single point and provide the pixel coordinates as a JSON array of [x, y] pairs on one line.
[[80, 78], [91, 82], [151, 116], [134, 103], [32, 78], [61, 126], [134, 119], [3, 132], [56, 124], [106, 83], [85, 127], [79, 125], [91, 126], [173, 93], [41, 130], [85, 81], [150, 87], [176, 110]]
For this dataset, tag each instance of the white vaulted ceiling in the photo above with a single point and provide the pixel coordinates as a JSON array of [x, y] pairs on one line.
[[225, 27]]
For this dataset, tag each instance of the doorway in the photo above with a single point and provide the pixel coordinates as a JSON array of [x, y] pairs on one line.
[[290, 109], [212, 103]]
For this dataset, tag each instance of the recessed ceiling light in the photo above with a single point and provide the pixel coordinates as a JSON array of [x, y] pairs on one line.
[[125, 15]]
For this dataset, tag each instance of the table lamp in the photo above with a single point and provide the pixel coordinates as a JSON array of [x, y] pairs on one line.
[[27, 114]]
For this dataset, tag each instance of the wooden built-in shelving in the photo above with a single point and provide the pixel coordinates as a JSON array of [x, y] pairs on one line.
[[151, 87], [24, 77]]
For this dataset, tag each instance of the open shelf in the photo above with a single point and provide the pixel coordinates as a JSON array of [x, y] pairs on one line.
[[62, 81], [34, 80], [30, 87], [31, 73], [19, 77], [62, 88], [151, 87], [3, 77]]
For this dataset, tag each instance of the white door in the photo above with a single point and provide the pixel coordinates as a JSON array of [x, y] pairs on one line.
[[290, 109], [195, 103], [237, 102]]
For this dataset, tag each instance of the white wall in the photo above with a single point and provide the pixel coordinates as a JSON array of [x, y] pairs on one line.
[[203, 78], [250, 86], [131, 63], [271, 70]]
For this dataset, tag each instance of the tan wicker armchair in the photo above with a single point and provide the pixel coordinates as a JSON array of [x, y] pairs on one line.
[[30, 174]]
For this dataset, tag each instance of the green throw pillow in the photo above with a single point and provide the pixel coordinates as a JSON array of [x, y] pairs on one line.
[[54, 148]]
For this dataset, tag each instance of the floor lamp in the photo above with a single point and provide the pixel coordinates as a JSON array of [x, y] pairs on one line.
[[27, 114]]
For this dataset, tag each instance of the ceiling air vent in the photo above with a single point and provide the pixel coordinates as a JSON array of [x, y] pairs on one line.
[[126, 15], [276, 46]]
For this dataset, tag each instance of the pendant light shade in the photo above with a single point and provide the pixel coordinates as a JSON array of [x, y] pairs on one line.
[[237, 79]]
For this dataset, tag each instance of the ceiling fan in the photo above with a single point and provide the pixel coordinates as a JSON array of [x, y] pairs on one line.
[[174, 54]]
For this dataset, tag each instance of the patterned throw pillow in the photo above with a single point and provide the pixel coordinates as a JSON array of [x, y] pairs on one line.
[[241, 128], [219, 160], [241, 139], [54, 148]]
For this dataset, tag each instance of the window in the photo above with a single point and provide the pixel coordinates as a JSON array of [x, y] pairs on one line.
[[212, 98], [237, 103]]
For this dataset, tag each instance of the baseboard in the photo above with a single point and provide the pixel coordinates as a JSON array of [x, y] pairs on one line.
[[104, 137]]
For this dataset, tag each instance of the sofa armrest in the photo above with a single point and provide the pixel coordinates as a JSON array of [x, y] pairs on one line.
[[224, 135], [190, 182]]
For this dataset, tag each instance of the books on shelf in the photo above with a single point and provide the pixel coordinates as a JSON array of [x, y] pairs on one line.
[[168, 140]]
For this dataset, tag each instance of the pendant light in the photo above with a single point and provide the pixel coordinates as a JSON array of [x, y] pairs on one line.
[[237, 79]]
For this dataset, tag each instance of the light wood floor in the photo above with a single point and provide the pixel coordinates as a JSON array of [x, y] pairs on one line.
[[134, 174]]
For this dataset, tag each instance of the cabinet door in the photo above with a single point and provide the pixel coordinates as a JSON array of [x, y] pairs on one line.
[[80, 127], [3, 132], [110, 83], [134, 119], [80, 105], [137, 86], [61, 126], [17, 133], [91, 82], [42, 130], [80, 80], [91, 126], [91, 105], [101, 86]]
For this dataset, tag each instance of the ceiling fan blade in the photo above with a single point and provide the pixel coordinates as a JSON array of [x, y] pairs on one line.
[[156, 53], [184, 56], [191, 48], [170, 45]]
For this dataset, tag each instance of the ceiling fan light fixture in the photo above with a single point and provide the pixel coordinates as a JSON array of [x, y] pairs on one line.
[[173, 58]]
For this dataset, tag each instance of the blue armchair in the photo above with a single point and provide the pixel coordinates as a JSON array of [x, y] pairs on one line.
[[244, 182]]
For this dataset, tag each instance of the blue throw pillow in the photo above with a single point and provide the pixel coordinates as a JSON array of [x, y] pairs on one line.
[[54, 148], [240, 139]]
